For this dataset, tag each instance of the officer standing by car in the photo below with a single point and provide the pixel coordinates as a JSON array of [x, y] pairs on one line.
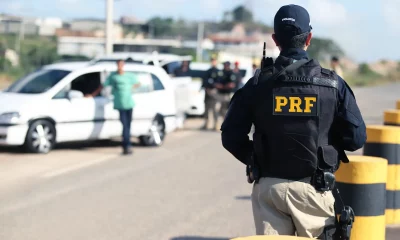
[[209, 100], [226, 87], [305, 117]]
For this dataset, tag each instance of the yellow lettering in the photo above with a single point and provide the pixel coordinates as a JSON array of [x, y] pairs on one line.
[[309, 105], [295, 102], [280, 102]]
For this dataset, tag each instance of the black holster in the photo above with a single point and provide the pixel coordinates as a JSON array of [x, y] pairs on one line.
[[323, 180], [253, 168]]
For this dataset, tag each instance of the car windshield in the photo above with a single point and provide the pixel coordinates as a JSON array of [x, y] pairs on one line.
[[38, 82]]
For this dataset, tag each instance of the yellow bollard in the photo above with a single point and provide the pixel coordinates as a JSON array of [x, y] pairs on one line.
[[361, 183], [277, 237], [384, 141], [398, 104], [391, 117]]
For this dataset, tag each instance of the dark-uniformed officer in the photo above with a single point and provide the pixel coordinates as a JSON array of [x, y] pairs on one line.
[[304, 116], [210, 93], [238, 76], [226, 87]]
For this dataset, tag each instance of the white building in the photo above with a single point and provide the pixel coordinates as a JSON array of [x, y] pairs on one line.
[[97, 26], [239, 42], [48, 26], [92, 47]]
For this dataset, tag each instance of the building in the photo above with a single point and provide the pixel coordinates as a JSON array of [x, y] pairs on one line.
[[93, 46], [48, 26], [17, 25], [29, 26], [96, 26], [240, 42]]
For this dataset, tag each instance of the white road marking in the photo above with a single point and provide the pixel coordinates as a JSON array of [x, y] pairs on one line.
[[77, 166]]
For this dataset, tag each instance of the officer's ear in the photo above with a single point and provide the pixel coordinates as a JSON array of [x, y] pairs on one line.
[[308, 41], [276, 40]]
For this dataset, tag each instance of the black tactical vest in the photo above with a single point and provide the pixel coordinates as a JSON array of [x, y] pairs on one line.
[[293, 117]]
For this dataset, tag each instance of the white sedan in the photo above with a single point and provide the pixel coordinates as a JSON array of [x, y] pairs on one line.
[[48, 106]]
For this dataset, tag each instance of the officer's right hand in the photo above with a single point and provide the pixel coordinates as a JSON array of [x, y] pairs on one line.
[[219, 86], [250, 178]]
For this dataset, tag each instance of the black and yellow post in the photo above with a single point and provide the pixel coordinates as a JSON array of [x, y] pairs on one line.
[[384, 141], [362, 186], [391, 117]]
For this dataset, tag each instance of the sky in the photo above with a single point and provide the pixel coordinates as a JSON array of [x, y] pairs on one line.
[[367, 30]]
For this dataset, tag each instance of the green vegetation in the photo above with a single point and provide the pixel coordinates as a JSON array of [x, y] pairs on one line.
[[323, 49], [34, 52], [364, 76]]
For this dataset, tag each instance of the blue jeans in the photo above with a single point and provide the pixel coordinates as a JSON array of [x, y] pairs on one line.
[[126, 118]]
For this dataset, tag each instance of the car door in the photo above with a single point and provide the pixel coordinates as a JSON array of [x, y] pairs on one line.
[[78, 117], [145, 103], [181, 85]]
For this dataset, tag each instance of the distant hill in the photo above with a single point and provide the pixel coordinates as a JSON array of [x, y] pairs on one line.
[[384, 67]]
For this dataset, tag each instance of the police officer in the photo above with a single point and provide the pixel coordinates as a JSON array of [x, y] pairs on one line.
[[305, 116], [209, 101], [226, 87], [238, 76]]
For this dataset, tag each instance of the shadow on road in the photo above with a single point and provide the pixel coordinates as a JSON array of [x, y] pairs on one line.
[[82, 145], [392, 233], [198, 238], [243, 197]]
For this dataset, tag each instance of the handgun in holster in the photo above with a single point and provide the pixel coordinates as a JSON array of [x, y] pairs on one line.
[[257, 155], [252, 170]]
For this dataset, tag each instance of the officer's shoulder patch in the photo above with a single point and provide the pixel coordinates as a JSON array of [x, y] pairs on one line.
[[289, 104]]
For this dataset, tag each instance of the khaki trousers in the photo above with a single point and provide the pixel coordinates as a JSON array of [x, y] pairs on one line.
[[224, 100], [210, 106], [284, 207]]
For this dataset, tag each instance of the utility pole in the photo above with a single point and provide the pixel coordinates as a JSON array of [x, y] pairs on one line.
[[21, 36], [200, 36], [109, 26]]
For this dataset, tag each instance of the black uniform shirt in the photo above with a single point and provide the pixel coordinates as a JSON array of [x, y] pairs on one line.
[[210, 78], [228, 77], [238, 121]]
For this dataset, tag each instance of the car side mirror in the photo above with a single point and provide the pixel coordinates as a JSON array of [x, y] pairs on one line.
[[75, 94]]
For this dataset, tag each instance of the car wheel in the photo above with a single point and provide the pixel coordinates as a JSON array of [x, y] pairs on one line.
[[41, 137], [156, 135]]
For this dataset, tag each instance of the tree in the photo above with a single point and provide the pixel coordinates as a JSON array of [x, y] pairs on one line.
[[322, 49], [161, 26], [241, 14]]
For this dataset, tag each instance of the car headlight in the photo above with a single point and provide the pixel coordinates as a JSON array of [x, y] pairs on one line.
[[10, 117]]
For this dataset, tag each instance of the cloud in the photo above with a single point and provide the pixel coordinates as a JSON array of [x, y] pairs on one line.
[[390, 11], [321, 12], [213, 6], [15, 6]]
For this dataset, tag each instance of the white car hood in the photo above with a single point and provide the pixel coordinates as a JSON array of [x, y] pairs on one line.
[[16, 102]]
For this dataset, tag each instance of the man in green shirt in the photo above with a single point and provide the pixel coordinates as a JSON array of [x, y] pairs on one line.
[[122, 84]]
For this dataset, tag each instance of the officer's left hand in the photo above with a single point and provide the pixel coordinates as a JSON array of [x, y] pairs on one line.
[[219, 86]]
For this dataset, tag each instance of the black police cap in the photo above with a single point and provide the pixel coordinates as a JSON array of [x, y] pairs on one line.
[[292, 15]]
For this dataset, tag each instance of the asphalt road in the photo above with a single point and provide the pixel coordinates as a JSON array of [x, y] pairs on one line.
[[188, 189]]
